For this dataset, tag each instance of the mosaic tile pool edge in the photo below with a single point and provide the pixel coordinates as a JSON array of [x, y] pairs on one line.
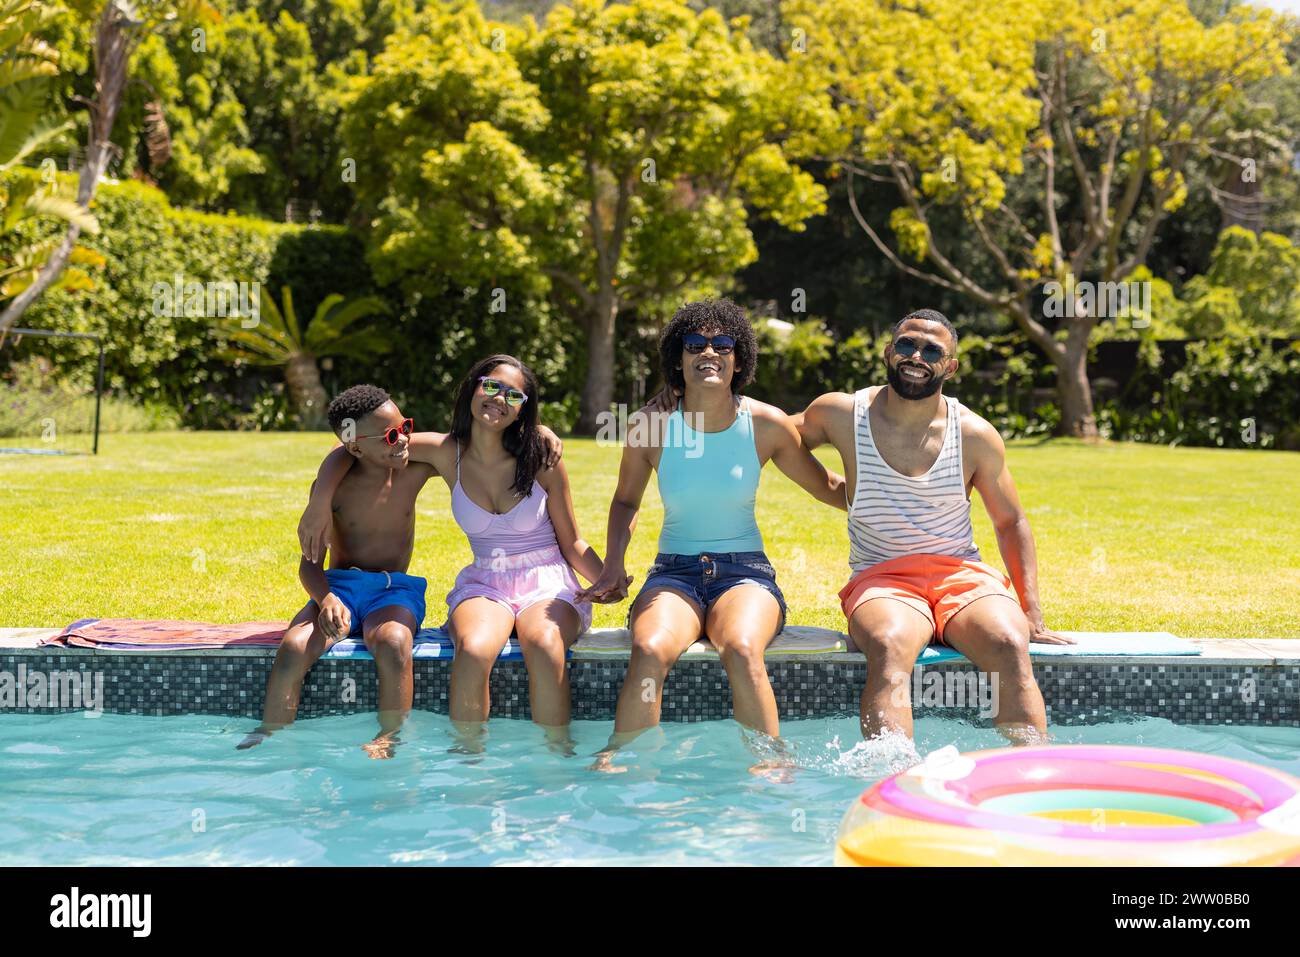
[[1079, 692]]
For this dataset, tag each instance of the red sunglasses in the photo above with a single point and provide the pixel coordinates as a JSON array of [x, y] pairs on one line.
[[390, 435]]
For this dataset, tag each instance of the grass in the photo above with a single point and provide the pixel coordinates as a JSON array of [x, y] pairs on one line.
[[1200, 542]]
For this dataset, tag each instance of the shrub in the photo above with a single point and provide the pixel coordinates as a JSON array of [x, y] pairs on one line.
[[1238, 393], [171, 360]]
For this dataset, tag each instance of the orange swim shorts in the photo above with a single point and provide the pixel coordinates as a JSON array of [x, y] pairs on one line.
[[938, 586]]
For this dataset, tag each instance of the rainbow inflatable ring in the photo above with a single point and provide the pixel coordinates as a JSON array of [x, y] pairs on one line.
[[1075, 805]]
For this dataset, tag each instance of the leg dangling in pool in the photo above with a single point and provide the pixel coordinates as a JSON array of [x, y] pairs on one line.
[[664, 624], [892, 634], [303, 643], [741, 623], [480, 628], [546, 630], [389, 633], [994, 634]]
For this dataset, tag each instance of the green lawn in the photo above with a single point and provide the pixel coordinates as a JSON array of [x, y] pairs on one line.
[[1199, 542]]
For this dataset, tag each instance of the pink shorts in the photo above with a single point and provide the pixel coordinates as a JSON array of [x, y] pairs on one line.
[[517, 581]]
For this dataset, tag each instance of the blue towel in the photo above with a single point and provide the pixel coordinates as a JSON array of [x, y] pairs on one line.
[[1125, 643]]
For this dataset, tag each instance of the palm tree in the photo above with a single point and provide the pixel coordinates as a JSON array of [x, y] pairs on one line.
[[26, 65], [279, 340]]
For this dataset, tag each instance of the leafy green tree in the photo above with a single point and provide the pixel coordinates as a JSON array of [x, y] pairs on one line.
[[278, 339], [119, 30], [255, 109], [1099, 108], [27, 64], [248, 99], [607, 158], [1252, 288]]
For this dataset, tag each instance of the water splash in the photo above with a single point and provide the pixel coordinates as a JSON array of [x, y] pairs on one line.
[[887, 753]]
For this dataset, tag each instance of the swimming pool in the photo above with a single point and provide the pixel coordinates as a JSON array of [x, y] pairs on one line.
[[121, 789]]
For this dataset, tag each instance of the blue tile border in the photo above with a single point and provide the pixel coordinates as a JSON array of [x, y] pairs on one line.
[[1078, 691]]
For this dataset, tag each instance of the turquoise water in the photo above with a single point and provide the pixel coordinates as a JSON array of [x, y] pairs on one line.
[[119, 789]]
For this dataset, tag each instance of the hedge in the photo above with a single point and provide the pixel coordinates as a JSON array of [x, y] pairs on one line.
[[170, 360]]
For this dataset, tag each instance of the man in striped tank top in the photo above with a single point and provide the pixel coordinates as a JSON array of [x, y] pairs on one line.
[[911, 457]]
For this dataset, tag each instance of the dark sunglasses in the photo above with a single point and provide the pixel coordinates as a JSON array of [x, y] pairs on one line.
[[390, 435], [491, 388], [906, 348], [694, 343]]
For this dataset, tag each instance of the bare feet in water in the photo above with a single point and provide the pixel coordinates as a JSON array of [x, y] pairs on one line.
[[470, 736], [774, 770], [561, 742], [253, 739], [383, 746], [605, 762], [1023, 735]]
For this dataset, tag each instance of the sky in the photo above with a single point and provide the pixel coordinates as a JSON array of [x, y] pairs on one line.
[[1290, 6]]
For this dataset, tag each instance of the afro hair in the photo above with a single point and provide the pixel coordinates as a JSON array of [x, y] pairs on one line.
[[721, 317]]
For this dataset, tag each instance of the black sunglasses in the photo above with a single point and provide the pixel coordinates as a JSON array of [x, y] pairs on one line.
[[694, 343], [930, 352]]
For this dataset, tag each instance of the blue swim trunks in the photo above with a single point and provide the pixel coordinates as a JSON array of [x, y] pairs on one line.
[[362, 592]]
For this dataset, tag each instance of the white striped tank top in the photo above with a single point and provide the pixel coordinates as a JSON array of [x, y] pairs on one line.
[[892, 514]]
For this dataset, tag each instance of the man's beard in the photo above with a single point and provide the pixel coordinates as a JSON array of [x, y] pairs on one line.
[[909, 388]]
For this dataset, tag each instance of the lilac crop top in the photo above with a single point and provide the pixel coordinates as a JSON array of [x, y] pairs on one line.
[[525, 528]]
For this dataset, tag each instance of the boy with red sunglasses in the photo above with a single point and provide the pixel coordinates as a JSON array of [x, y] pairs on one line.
[[366, 590]]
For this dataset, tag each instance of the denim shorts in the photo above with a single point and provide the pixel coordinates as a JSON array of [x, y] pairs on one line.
[[705, 576]]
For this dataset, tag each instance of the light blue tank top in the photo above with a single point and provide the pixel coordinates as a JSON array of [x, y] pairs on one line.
[[708, 482]]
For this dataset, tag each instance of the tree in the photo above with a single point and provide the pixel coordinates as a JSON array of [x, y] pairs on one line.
[[27, 64], [606, 158], [254, 107], [121, 26], [1252, 288], [279, 340], [1059, 134]]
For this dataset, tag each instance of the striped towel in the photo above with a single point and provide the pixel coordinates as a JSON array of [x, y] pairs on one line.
[[130, 634], [127, 634]]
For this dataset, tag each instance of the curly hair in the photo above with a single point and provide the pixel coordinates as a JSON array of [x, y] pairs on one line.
[[720, 316], [355, 404], [521, 439]]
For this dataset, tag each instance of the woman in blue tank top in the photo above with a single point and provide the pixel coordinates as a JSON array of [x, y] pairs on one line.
[[711, 576]]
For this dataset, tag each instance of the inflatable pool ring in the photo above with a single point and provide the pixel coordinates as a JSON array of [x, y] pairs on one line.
[[1074, 805]]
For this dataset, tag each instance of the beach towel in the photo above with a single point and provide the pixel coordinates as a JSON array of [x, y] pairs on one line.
[[130, 634], [126, 634]]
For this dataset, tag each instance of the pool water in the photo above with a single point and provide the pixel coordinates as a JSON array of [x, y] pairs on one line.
[[117, 789]]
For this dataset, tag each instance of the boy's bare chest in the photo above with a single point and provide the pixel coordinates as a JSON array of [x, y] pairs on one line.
[[378, 504]]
